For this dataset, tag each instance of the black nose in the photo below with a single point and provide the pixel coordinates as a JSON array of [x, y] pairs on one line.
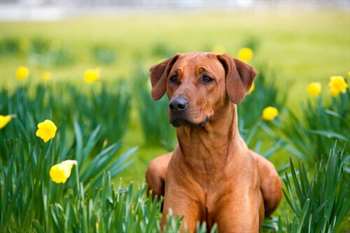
[[178, 104]]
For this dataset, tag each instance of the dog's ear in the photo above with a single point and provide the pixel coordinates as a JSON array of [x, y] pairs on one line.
[[239, 77], [159, 74]]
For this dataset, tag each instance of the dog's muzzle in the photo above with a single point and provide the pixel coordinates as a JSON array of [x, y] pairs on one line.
[[178, 106]]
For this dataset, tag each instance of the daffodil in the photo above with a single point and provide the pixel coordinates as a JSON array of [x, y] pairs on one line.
[[4, 120], [245, 54], [252, 88], [92, 75], [22, 73], [337, 85], [46, 130], [314, 89], [269, 113], [46, 76], [59, 173], [218, 49]]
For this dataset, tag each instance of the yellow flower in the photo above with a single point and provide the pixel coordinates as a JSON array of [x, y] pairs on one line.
[[251, 89], [46, 130], [22, 73], [218, 49], [337, 85], [60, 172], [91, 75], [4, 120], [46, 76], [245, 54], [314, 89], [269, 113]]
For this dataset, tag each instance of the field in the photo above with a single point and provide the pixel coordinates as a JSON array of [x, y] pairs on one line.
[[292, 48]]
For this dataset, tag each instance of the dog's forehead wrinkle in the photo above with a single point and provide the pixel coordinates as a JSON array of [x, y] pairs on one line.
[[191, 62], [193, 56]]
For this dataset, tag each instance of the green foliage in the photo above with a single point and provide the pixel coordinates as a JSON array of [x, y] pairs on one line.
[[162, 49], [88, 202], [34, 104], [319, 204], [252, 42], [252, 127], [39, 45], [266, 93], [108, 209], [54, 56], [108, 107], [38, 51], [9, 46], [153, 114], [103, 55], [202, 228], [321, 122], [28, 196]]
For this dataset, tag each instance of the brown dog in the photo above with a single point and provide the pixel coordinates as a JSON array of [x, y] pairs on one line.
[[211, 176]]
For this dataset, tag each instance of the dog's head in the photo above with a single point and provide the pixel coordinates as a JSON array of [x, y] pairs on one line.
[[198, 84]]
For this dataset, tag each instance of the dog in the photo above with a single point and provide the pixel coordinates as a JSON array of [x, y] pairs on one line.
[[211, 176]]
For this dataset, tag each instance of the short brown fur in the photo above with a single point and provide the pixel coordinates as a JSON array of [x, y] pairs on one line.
[[211, 175]]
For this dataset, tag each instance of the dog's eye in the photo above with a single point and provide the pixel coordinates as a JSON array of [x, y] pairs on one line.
[[174, 79], [206, 79]]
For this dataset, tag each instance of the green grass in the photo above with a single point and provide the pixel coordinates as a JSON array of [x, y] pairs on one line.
[[32, 200], [301, 46]]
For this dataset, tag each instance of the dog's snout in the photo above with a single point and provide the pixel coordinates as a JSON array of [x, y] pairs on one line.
[[179, 103]]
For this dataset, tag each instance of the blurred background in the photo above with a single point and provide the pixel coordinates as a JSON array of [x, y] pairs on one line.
[[84, 65], [51, 9]]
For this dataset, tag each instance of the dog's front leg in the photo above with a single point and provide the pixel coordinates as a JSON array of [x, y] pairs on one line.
[[239, 213], [179, 204], [156, 173], [271, 185]]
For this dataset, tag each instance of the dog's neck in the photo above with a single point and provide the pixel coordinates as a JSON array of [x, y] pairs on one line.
[[213, 145]]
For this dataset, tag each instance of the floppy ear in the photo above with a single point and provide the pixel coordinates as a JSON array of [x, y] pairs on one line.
[[159, 74], [239, 77]]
